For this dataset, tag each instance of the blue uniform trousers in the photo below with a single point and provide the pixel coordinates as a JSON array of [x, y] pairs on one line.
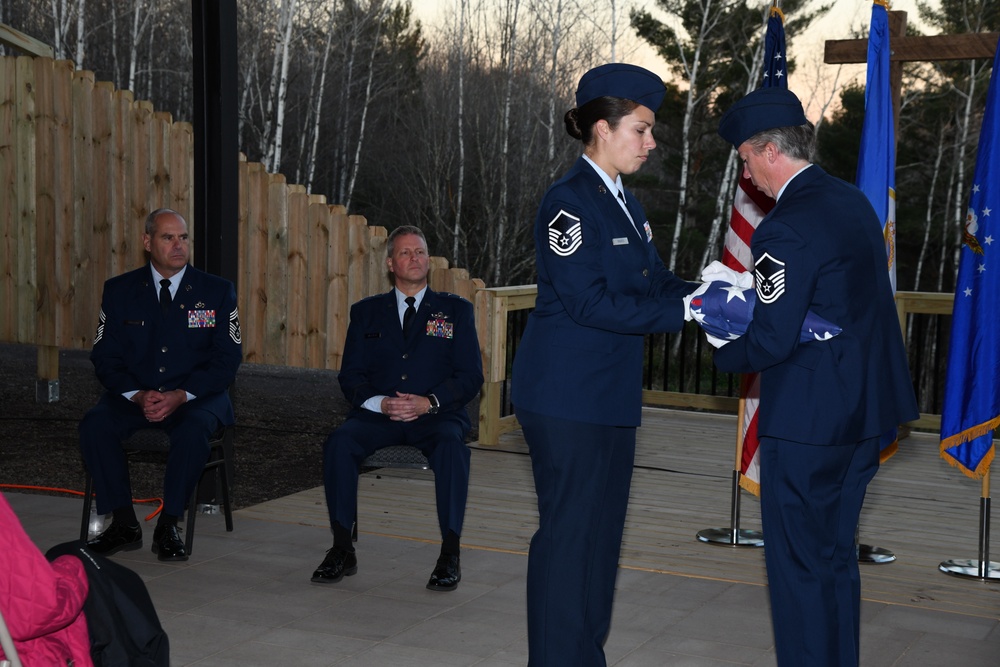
[[582, 473], [441, 438], [811, 497], [114, 419]]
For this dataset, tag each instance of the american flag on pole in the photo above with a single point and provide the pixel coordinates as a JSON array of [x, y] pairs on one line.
[[972, 386], [877, 155], [749, 207]]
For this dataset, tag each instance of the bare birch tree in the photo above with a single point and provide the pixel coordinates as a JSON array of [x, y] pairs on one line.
[[140, 19], [318, 92], [727, 186], [687, 51], [274, 129]]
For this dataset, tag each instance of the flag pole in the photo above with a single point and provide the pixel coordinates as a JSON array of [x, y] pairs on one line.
[[733, 536], [877, 166], [982, 568]]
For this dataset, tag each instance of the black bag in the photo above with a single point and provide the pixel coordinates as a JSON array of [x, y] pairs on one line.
[[124, 628]]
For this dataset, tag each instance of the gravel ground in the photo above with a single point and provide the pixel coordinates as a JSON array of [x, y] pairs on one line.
[[283, 416]]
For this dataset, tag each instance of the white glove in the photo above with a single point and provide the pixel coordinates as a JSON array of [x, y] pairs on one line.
[[719, 271], [687, 301], [715, 342]]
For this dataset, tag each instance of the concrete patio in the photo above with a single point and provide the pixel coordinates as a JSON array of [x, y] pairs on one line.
[[245, 598]]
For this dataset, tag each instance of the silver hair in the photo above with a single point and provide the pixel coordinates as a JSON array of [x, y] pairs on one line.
[[796, 141]]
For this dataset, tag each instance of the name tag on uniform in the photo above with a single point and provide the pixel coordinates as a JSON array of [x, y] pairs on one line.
[[621, 240], [201, 319]]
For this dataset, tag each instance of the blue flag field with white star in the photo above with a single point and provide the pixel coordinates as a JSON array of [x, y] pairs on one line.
[[725, 311], [972, 384], [774, 52]]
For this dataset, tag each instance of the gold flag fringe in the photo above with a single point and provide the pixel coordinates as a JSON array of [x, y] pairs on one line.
[[888, 451], [750, 485], [965, 436]]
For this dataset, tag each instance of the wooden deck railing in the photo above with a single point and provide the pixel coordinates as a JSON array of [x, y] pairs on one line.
[[493, 306]]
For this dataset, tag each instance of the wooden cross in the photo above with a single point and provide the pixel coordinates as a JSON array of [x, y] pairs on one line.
[[912, 49]]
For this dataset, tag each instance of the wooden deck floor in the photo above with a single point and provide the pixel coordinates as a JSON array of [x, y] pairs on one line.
[[918, 507]]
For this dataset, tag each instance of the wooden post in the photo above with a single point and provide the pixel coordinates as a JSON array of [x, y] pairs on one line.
[[911, 49], [25, 43]]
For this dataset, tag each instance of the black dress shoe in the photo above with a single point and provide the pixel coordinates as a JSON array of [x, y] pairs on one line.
[[117, 537], [337, 564], [167, 543], [447, 573]]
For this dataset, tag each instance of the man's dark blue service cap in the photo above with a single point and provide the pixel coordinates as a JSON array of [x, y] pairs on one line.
[[763, 109], [629, 82]]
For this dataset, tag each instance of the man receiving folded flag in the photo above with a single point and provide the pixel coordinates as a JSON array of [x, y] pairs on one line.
[[823, 406]]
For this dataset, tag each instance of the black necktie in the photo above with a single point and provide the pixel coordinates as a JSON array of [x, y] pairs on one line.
[[165, 295], [409, 315]]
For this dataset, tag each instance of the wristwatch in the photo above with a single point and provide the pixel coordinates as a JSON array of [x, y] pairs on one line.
[[435, 406]]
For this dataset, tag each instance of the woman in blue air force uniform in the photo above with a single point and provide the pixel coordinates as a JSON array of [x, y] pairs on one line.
[[578, 372]]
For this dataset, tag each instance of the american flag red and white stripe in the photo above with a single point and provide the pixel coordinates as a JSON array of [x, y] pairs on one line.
[[750, 205]]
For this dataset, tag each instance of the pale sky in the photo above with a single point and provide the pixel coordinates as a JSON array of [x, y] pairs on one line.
[[813, 80]]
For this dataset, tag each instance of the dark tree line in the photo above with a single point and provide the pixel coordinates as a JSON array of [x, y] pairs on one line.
[[458, 128]]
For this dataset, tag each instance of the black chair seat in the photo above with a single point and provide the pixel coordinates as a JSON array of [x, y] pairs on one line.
[[396, 456], [156, 440]]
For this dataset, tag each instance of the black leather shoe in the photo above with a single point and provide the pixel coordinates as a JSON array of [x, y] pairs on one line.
[[117, 537], [337, 564], [167, 543], [447, 573]]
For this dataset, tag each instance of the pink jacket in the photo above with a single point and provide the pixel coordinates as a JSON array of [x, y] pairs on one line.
[[42, 602]]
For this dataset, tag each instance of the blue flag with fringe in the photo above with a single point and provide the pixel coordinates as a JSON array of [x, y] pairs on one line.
[[877, 156], [972, 384]]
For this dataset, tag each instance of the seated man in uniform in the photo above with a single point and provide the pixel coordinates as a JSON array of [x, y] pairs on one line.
[[411, 364], [166, 350]]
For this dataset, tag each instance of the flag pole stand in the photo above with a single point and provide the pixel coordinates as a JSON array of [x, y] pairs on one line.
[[983, 569], [734, 536]]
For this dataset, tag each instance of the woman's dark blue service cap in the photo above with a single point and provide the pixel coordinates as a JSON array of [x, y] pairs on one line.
[[763, 109], [622, 80]]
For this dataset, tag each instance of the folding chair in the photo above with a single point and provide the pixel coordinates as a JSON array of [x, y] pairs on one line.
[[157, 440], [396, 456]]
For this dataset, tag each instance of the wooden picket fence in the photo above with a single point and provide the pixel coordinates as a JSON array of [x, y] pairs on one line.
[[82, 164]]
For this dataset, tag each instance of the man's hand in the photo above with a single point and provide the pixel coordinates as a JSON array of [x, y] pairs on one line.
[[158, 406], [405, 407]]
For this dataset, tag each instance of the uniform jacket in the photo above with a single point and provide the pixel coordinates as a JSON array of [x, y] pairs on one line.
[[601, 287], [42, 602], [821, 248], [440, 357], [196, 347]]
